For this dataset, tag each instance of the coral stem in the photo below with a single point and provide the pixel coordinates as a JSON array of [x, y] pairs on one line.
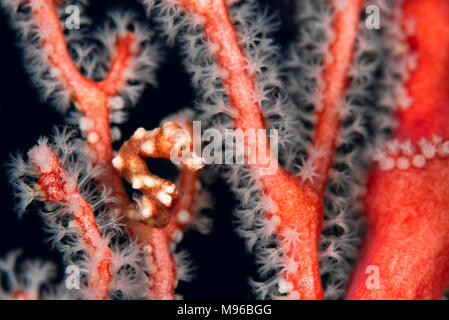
[[335, 78], [156, 245], [90, 97], [407, 201], [55, 186], [298, 206]]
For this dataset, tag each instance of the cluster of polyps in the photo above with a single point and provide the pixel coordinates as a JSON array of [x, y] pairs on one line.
[[403, 154]]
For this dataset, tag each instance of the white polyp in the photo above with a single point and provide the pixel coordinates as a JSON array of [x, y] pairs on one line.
[[86, 124], [224, 73], [140, 133], [197, 19], [403, 163], [165, 198], [419, 161], [74, 207], [137, 183], [270, 205], [147, 248], [148, 147], [318, 103], [116, 134], [177, 236], [41, 156], [378, 155], [437, 139], [443, 149], [55, 72], [183, 217], [117, 116], [275, 220], [70, 185], [213, 47], [328, 58], [407, 148], [422, 142], [290, 265], [428, 150], [285, 286], [117, 162], [152, 268], [404, 100], [93, 137], [172, 247], [393, 146], [149, 181], [387, 164], [116, 103], [72, 224]]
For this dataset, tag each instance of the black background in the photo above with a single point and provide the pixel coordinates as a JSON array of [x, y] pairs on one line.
[[223, 265]]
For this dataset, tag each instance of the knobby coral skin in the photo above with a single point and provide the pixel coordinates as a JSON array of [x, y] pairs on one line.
[[343, 96], [406, 202]]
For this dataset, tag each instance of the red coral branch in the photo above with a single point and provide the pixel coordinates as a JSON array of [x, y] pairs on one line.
[[156, 244], [298, 206], [407, 201], [91, 98], [55, 186], [335, 78], [183, 211]]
